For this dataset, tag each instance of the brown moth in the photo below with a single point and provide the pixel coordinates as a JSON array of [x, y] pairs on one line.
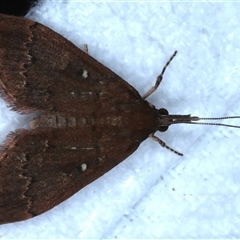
[[91, 119]]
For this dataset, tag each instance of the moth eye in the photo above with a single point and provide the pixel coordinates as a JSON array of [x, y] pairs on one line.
[[163, 128], [162, 111]]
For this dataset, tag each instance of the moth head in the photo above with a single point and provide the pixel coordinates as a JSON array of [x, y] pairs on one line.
[[165, 120]]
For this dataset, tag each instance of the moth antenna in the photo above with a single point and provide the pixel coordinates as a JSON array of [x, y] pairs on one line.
[[213, 119], [159, 78]]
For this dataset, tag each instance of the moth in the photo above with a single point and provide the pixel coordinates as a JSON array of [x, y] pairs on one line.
[[91, 119]]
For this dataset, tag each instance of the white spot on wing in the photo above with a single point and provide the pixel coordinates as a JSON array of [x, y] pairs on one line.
[[85, 74], [84, 167]]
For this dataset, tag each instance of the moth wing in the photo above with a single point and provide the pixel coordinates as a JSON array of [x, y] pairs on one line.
[[41, 70], [40, 168]]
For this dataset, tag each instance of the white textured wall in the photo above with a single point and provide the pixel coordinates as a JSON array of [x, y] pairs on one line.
[[155, 193]]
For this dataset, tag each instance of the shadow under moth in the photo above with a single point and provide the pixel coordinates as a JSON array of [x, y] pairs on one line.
[[91, 119]]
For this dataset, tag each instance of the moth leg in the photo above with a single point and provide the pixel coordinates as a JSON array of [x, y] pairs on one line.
[[163, 144], [159, 78], [85, 48]]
